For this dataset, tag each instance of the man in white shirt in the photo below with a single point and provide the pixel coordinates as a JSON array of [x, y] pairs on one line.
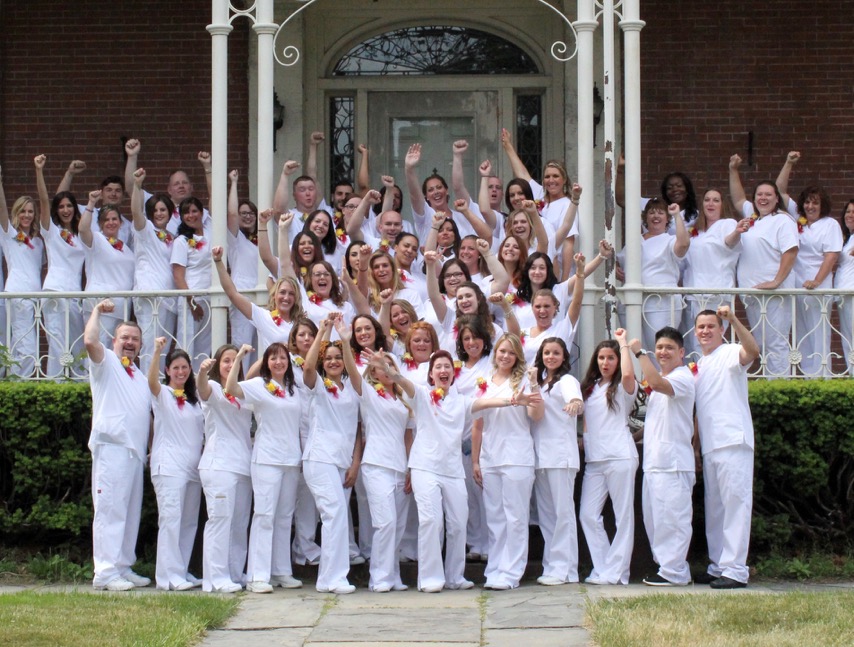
[[726, 438], [121, 403], [668, 457]]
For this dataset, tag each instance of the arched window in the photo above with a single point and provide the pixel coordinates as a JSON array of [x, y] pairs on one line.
[[435, 50]]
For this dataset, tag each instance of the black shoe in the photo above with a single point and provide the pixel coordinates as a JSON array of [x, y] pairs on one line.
[[724, 582], [657, 580], [705, 578]]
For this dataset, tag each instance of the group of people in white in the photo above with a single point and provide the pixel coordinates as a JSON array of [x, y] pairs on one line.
[[425, 365]]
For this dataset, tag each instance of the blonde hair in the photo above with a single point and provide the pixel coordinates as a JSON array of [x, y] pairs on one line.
[[368, 376], [17, 208], [296, 309], [375, 288], [517, 374]]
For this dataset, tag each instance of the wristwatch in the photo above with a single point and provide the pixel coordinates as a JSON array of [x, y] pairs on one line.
[[641, 352]]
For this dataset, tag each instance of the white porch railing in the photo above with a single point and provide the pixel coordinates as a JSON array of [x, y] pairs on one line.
[[42, 331]]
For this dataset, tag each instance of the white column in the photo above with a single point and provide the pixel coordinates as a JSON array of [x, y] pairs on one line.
[[265, 28], [585, 26], [631, 24], [219, 30]]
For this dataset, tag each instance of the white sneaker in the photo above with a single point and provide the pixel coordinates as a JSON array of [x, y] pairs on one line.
[[548, 580], [356, 560], [400, 587], [259, 587], [286, 581], [381, 588], [460, 586], [195, 581], [183, 586], [234, 587], [343, 589], [136, 579], [117, 584], [433, 588], [497, 586]]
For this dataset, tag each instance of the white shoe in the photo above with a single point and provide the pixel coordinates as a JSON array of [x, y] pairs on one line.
[[259, 587], [382, 588], [433, 588], [461, 586], [400, 587], [595, 580], [117, 584], [234, 587], [195, 581], [356, 560], [343, 589], [497, 586], [548, 580], [136, 579], [183, 586], [286, 581]]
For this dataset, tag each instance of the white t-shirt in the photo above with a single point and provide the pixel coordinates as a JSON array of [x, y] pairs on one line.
[[179, 433], [277, 439], [607, 435], [384, 422], [107, 267], [709, 263], [242, 261], [24, 261], [763, 245], [228, 445], [121, 402], [269, 330], [332, 435], [423, 221], [669, 426], [153, 259], [563, 328], [317, 312], [555, 438], [196, 258], [822, 237], [723, 410], [554, 211], [507, 436], [65, 257], [845, 272]]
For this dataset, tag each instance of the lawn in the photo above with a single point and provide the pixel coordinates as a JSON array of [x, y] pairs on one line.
[[725, 620], [33, 619]]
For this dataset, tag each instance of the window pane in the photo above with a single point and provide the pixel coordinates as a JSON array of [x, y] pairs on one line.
[[529, 136], [342, 115]]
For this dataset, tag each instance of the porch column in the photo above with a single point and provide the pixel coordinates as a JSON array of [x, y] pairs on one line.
[[219, 30], [265, 28]]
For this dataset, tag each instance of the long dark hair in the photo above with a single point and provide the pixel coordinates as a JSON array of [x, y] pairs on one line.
[[190, 392], [846, 233], [214, 373], [265, 372], [562, 370], [151, 203], [525, 289], [184, 229], [477, 326], [593, 375], [482, 303], [296, 258], [54, 210], [380, 341], [329, 242]]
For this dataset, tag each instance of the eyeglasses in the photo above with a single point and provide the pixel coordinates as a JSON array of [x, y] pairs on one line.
[[349, 206], [320, 275], [454, 275], [245, 213]]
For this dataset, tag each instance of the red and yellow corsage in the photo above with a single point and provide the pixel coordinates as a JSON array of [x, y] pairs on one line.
[[404, 277], [410, 362], [24, 239], [646, 387], [694, 231], [330, 386], [314, 297], [276, 317], [514, 299], [436, 396], [180, 397], [164, 236], [341, 236], [380, 389], [253, 238], [523, 335], [753, 219], [128, 365], [802, 222], [385, 245], [541, 204], [67, 236], [299, 361], [116, 243], [274, 389], [458, 366], [231, 399], [692, 366], [196, 243], [482, 385], [393, 332]]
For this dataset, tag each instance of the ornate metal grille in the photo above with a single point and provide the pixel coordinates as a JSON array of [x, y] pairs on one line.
[[342, 119]]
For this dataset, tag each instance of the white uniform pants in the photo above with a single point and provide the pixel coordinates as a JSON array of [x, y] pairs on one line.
[[363, 509], [409, 543], [667, 516], [728, 478], [436, 494], [275, 490], [327, 485], [243, 332], [24, 344], [507, 499], [555, 488], [614, 478], [117, 499], [388, 506], [813, 331], [846, 324], [144, 308], [63, 323], [228, 497], [177, 520], [477, 535], [772, 334], [305, 548]]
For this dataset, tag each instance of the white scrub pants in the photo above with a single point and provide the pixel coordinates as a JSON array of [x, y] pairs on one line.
[[409, 543], [436, 494], [555, 488], [24, 344], [363, 509], [228, 496], [243, 332], [117, 499], [614, 478], [145, 309], [177, 520], [728, 478], [326, 482], [305, 549], [275, 490], [507, 499], [845, 307], [812, 326], [388, 506], [63, 323], [477, 535], [772, 333], [667, 516]]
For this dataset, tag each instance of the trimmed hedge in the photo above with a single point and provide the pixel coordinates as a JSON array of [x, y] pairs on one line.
[[804, 477]]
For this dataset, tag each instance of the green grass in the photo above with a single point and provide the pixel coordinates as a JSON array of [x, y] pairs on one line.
[[32, 619], [794, 619]]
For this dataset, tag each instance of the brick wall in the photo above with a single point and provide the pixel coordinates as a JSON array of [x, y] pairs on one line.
[[78, 76], [714, 71]]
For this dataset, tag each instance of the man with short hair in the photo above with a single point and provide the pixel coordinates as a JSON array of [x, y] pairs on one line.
[[668, 457], [121, 402], [726, 437]]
